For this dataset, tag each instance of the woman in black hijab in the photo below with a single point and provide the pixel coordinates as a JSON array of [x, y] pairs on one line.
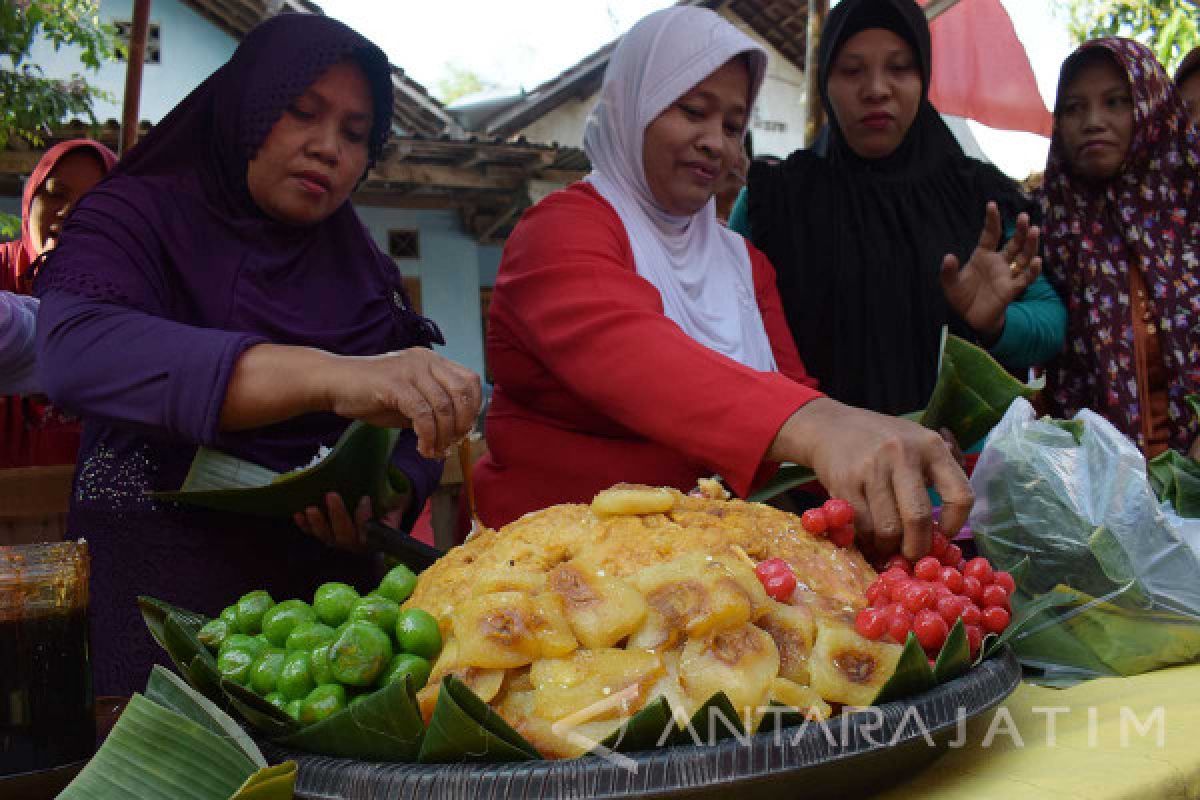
[[867, 235]]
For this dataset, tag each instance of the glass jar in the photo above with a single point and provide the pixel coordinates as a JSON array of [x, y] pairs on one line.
[[46, 716]]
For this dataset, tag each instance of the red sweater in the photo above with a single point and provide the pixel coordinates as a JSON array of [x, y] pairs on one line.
[[594, 385]]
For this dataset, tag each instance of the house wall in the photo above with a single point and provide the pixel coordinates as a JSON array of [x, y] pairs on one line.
[[192, 49], [449, 269], [777, 122]]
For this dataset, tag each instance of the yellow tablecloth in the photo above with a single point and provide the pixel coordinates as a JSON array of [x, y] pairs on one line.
[[1121, 739]]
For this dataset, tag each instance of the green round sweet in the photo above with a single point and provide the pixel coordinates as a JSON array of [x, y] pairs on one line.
[[360, 654], [213, 633], [321, 702], [398, 584], [292, 709], [242, 641], [322, 670], [380, 611], [358, 701], [250, 610], [281, 620], [308, 635], [234, 664], [229, 614], [264, 672], [333, 602], [295, 678], [276, 699], [417, 633], [403, 665]]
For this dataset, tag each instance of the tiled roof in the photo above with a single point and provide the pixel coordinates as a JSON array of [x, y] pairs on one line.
[[783, 23]]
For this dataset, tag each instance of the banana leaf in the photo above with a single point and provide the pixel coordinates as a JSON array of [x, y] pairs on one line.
[[955, 656], [912, 676], [1176, 479], [972, 392], [358, 465], [386, 726], [261, 715], [644, 729], [713, 721], [1131, 642], [203, 762], [464, 729], [271, 783], [169, 691], [787, 477]]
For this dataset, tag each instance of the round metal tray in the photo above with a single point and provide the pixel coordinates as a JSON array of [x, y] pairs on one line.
[[843, 758]]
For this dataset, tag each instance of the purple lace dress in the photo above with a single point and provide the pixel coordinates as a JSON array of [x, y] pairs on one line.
[[165, 274]]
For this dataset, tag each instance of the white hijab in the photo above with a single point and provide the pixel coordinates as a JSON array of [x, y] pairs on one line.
[[701, 269]]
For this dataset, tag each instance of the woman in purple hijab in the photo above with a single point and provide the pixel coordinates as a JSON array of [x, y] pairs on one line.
[[218, 289]]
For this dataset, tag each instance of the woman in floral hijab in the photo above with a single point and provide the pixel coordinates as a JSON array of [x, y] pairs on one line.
[[1121, 208]]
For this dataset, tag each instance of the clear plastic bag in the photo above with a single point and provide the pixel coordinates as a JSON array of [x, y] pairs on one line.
[[1074, 498]]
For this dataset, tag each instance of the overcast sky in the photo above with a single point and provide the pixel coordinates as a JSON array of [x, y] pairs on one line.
[[520, 43]]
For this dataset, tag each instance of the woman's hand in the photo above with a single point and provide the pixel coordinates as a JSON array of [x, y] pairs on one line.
[[883, 466], [981, 291], [415, 388], [336, 528]]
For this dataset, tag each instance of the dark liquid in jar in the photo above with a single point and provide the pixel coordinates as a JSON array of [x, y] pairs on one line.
[[46, 717]]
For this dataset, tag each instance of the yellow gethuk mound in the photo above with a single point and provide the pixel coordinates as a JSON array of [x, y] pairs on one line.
[[581, 615]]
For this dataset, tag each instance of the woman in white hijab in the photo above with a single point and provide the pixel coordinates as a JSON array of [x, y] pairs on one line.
[[633, 338]]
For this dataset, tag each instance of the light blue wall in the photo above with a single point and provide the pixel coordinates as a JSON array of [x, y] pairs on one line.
[[449, 269], [192, 49], [489, 264]]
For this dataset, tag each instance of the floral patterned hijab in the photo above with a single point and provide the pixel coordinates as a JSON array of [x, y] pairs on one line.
[[1147, 217]]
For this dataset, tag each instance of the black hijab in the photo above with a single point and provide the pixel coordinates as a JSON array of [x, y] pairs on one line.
[[858, 243]]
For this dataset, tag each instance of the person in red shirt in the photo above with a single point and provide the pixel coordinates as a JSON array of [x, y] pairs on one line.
[[34, 433], [633, 338]]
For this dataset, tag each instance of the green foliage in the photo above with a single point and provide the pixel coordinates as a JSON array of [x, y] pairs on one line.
[[459, 82], [30, 102], [10, 227], [1171, 28]]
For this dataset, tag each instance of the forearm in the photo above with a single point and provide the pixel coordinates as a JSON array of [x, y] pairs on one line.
[[18, 314], [104, 360], [272, 383]]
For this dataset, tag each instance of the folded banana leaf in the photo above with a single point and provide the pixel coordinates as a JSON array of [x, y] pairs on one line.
[[972, 392], [644, 729], [386, 726], [359, 465], [1176, 478], [1130, 642], [713, 721], [209, 758], [465, 729]]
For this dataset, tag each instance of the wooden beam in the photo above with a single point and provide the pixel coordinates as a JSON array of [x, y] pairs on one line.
[[814, 116], [134, 62], [449, 177], [19, 162], [495, 225]]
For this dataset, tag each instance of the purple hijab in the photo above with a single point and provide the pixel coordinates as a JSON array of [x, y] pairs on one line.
[[164, 275]]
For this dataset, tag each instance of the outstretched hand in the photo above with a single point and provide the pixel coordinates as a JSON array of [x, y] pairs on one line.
[[882, 466], [981, 290]]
